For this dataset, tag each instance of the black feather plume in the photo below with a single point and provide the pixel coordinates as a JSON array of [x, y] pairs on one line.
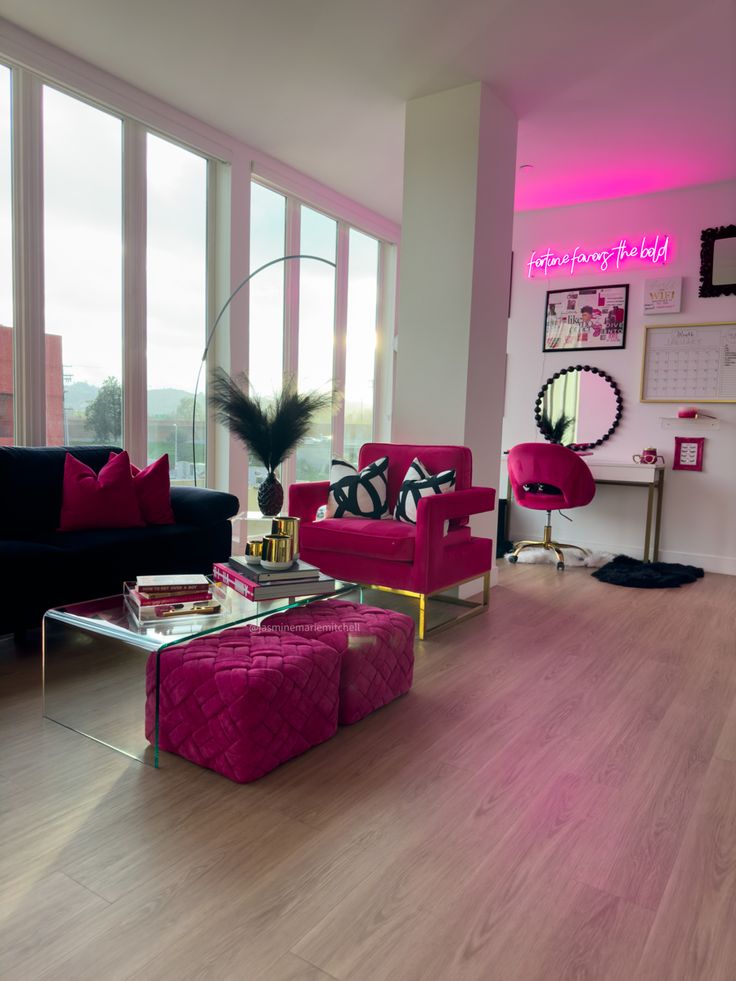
[[270, 432], [555, 431]]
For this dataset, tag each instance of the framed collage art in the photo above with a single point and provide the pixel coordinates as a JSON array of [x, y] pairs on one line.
[[590, 318]]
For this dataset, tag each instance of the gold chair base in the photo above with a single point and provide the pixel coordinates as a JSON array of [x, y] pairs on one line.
[[548, 544], [473, 608]]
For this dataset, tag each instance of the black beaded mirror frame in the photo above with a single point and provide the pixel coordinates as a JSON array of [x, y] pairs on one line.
[[595, 371]]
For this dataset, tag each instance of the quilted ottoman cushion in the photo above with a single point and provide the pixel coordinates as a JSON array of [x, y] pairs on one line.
[[376, 647], [243, 701]]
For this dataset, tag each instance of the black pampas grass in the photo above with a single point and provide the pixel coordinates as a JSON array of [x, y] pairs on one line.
[[555, 431], [270, 432]]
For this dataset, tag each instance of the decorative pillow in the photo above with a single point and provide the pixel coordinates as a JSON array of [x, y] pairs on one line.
[[358, 495], [419, 483], [103, 500], [153, 489]]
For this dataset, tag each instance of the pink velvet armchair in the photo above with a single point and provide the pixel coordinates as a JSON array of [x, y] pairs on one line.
[[438, 553]]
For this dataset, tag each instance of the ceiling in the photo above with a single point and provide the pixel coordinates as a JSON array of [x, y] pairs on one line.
[[612, 99]]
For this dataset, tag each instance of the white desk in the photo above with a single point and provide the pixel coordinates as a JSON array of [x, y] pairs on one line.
[[625, 474]]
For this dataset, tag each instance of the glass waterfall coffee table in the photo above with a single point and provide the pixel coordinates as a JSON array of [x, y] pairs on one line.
[[94, 662]]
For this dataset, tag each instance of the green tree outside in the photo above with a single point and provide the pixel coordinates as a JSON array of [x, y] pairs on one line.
[[103, 416]]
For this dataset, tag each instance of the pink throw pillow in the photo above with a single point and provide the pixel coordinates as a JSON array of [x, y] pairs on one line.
[[153, 490], [103, 500]]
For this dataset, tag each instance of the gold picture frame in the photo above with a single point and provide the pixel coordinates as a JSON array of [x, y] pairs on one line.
[[685, 339]]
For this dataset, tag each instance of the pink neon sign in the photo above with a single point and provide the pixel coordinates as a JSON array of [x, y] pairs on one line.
[[655, 251]]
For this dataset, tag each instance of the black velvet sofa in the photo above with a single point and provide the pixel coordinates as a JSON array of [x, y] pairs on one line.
[[41, 567]]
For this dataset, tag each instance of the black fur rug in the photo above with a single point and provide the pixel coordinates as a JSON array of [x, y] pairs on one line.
[[625, 571]]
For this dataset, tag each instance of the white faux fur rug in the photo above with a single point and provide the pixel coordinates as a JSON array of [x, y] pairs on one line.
[[572, 557]]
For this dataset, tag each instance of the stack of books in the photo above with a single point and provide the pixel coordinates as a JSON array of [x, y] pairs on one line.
[[162, 597], [256, 584]]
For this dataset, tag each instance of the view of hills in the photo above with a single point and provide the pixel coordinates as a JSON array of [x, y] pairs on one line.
[[162, 402]]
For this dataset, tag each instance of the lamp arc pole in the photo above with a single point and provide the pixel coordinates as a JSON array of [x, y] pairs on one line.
[[218, 318]]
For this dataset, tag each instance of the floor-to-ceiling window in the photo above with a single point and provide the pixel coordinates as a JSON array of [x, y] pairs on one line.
[[6, 262], [306, 332], [82, 167], [176, 279], [112, 266]]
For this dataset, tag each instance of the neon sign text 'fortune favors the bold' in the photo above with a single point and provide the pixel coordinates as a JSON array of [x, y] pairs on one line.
[[655, 251]]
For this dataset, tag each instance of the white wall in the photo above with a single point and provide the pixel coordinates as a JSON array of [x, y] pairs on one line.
[[699, 517]]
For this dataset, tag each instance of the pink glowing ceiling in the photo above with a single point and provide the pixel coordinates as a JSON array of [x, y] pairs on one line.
[[612, 98]]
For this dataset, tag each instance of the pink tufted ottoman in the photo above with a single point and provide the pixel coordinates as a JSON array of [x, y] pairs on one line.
[[243, 701], [376, 647]]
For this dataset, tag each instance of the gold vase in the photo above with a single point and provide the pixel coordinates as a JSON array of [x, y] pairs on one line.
[[254, 550], [278, 552], [290, 527]]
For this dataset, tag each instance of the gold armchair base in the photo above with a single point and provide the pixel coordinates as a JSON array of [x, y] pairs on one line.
[[472, 608]]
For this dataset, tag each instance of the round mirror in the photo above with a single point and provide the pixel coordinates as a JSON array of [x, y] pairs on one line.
[[579, 407]]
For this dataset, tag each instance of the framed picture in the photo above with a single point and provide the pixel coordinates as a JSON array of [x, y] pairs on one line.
[[663, 295], [688, 453], [589, 318]]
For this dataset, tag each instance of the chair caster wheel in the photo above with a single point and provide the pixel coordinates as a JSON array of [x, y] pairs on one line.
[[560, 566], [514, 559]]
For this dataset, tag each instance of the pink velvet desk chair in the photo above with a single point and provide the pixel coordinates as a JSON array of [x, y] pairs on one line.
[[548, 477], [414, 560]]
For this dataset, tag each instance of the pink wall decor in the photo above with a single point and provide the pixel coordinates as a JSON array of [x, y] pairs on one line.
[[655, 251], [688, 453]]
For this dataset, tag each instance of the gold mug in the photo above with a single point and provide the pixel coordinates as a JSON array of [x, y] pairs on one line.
[[290, 527], [254, 550], [278, 552]]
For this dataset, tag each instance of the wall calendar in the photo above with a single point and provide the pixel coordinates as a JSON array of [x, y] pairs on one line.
[[689, 362]]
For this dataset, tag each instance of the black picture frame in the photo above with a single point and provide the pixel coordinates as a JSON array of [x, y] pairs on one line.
[[568, 322], [708, 239]]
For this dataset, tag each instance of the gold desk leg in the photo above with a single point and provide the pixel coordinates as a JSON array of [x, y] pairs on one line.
[[422, 614], [507, 515], [648, 531], [658, 515]]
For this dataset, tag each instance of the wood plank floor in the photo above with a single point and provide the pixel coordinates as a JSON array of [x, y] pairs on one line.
[[555, 799]]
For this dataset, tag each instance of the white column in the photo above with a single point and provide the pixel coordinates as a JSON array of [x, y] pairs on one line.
[[459, 174]]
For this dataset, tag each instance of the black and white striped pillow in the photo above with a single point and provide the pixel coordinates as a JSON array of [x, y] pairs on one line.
[[358, 495], [419, 483]]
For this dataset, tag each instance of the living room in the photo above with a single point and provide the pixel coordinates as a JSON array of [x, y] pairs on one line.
[[517, 282]]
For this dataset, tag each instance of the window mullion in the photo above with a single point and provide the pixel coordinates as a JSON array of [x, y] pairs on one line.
[[28, 261], [135, 397], [341, 329], [291, 313]]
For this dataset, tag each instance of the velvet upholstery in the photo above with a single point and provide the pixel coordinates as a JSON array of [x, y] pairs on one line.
[[387, 539], [376, 649], [243, 701], [41, 567], [555, 466], [438, 560]]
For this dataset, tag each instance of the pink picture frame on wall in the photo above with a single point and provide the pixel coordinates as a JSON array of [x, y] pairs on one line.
[[688, 453]]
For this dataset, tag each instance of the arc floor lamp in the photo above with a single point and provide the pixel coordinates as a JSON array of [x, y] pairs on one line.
[[218, 318]]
